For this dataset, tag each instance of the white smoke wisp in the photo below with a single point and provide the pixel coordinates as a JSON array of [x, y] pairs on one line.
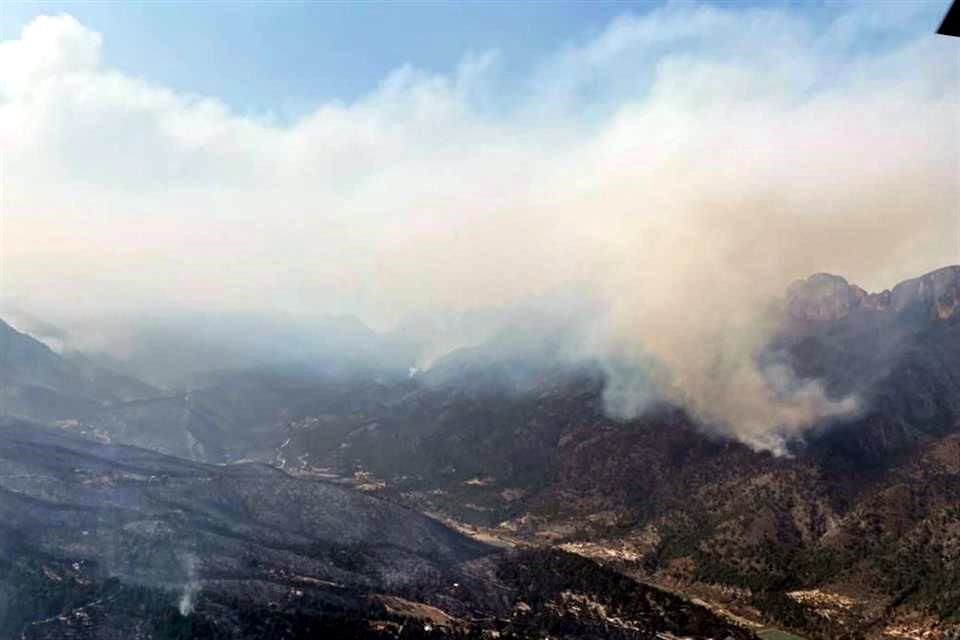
[[685, 164], [191, 588]]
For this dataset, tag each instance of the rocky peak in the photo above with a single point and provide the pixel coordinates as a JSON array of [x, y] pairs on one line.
[[936, 293], [824, 297]]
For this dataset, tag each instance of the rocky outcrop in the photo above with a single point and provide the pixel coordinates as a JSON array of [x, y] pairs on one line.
[[936, 294], [825, 298]]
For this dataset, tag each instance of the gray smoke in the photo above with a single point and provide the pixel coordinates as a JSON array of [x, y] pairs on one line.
[[685, 165]]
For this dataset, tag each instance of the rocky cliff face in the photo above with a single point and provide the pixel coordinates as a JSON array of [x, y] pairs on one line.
[[825, 298], [936, 294]]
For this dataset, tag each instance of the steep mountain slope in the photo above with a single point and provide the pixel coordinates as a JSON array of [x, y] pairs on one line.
[[862, 513], [692, 509], [39, 384], [898, 350], [74, 392], [105, 542]]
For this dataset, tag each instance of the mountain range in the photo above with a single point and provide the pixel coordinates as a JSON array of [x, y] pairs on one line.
[[854, 533]]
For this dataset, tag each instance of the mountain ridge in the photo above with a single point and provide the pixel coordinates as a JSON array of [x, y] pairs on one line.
[[659, 497], [827, 297]]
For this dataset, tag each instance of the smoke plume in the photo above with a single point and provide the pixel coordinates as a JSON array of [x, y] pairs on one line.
[[190, 588], [684, 165]]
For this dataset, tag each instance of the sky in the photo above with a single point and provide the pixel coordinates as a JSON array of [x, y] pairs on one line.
[[684, 162], [282, 58]]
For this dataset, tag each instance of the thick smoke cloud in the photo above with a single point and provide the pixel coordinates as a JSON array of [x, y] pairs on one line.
[[685, 165]]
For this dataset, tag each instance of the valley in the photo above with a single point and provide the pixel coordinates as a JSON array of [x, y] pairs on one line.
[[374, 494]]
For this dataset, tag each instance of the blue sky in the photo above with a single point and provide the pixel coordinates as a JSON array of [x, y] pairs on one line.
[[284, 57]]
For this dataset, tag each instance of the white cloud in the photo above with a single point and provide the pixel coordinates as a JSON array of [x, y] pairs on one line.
[[48, 47]]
